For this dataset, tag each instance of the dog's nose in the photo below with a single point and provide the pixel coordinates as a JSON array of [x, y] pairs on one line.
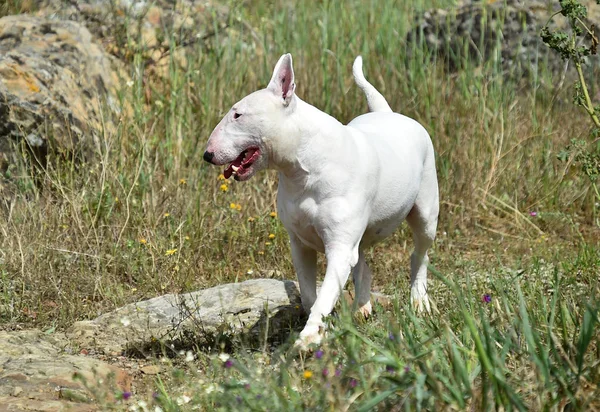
[[208, 156]]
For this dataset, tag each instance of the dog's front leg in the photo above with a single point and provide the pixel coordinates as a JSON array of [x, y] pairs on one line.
[[340, 261], [305, 264]]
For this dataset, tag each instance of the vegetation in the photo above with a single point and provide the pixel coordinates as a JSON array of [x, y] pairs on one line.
[[515, 265]]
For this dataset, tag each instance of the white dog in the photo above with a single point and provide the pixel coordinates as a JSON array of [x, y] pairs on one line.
[[341, 188]]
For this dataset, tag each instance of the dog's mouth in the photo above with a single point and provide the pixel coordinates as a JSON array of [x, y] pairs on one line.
[[240, 166]]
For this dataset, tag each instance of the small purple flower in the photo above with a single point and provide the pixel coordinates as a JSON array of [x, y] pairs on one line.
[[228, 363], [155, 395], [533, 214], [238, 399], [407, 368], [325, 372], [338, 372], [389, 369], [259, 396], [126, 395], [487, 298], [247, 386], [319, 354], [353, 383], [392, 336]]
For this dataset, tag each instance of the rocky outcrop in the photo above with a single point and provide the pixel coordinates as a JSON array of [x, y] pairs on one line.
[[247, 310], [154, 29], [38, 374], [504, 32], [54, 371], [55, 86]]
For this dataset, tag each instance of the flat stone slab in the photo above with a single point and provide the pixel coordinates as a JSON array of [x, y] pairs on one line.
[[37, 374], [252, 308]]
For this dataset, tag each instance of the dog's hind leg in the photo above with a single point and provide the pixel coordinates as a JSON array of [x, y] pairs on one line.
[[305, 264], [361, 275], [422, 219]]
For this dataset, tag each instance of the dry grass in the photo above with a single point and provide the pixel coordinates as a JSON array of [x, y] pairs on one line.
[[146, 216]]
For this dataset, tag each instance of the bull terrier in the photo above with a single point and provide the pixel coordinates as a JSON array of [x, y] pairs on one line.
[[342, 188]]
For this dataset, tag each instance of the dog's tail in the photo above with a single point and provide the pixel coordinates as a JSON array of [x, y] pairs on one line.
[[375, 100]]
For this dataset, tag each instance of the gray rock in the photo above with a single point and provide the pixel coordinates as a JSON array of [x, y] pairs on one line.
[[36, 374], [250, 309], [55, 86], [504, 32], [153, 28]]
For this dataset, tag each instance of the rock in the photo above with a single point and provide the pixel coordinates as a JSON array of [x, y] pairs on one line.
[[55, 85], [37, 375], [248, 310], [150, 370], [152, 27], [197, 318], [508, 32]]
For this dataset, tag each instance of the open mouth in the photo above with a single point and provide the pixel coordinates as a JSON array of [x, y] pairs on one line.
[[242, 163]]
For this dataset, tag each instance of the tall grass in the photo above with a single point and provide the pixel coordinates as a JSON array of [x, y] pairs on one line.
[[146, 216], [90, 237]]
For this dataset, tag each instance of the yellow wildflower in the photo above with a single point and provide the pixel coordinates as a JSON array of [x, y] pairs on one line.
[[143, 241], [307, 374], [170, 252], [267, 243], [271, 236], [251, 219], [232, 205], [273, 214], [182, 182], [167, 214], [238, 207], [187, 238], [224, 188], [221, 177]]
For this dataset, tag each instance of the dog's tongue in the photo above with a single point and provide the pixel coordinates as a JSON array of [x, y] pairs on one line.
[[237, 163]]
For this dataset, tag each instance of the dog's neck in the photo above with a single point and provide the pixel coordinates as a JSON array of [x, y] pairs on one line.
[[306, 129]]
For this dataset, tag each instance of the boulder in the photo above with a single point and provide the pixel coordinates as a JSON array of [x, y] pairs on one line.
[[504, 31], [249, 309], [38, 374], [56, 88], [153, 28]]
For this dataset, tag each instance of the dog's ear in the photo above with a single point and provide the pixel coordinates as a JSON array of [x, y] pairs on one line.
[[282, 83]]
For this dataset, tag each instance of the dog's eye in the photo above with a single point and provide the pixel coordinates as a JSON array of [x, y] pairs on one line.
[[236, 115]]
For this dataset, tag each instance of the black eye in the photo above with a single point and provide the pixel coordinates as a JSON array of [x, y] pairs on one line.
[[236, 115]]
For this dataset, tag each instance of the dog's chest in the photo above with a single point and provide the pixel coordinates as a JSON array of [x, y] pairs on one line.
[[300, 216]]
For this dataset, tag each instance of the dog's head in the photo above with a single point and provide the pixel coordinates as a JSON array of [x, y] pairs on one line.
[[243, 138]]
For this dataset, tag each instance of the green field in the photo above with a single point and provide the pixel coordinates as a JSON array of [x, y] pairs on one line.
[[147, 217]]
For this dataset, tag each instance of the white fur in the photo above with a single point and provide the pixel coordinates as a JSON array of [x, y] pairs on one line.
[[341, 188]]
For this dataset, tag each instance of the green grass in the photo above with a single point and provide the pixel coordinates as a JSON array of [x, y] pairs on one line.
[[145, 216], [10, 7]]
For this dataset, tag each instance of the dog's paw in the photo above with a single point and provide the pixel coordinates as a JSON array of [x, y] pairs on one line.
[[308, 337], [420, 301], [366, 310]]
